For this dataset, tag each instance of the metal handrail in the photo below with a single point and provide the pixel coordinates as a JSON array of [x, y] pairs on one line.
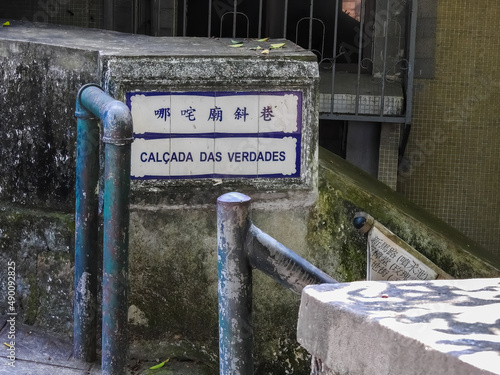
[[242, 246], [93, 104]]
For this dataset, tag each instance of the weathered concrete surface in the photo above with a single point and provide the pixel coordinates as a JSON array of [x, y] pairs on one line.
[[173, 296], [402, 328]]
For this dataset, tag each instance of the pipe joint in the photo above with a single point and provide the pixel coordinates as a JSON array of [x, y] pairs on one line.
[[93, 102]]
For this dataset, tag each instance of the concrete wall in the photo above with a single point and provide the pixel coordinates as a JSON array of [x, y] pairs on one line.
[[173, 265]]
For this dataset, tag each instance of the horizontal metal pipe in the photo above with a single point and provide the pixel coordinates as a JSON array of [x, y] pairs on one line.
[[282, 264]]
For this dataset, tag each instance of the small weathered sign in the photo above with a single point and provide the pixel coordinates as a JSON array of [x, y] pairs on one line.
[[180, 135], [390, 261]]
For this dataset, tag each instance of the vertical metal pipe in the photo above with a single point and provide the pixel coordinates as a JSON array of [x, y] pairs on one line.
[[235, 9], [184, 18], [311, 12], [86, 239], [234, 285], [384, 69], [209, 18], [259, 31], [115, 258], [285, 19], [411, 60], [335, 36], [360, 53]]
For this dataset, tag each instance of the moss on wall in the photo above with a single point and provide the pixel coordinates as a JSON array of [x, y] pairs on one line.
[[449, 249]]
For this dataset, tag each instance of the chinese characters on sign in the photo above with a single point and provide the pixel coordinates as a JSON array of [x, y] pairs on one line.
[[216, 134], [389, 261]]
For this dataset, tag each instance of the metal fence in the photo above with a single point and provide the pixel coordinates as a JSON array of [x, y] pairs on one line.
[[366, 57]]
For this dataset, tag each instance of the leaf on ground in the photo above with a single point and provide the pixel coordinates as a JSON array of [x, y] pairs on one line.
[[277, 45], [256, 48], [6, 24], [233, 41], [263, 39], [265, 52], [159, 365], [236, 45]]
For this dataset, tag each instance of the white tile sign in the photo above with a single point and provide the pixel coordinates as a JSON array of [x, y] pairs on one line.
[[216, 134]]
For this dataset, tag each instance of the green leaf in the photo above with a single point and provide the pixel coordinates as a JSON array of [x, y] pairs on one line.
[[6, 24], [277, 45], [159, 365], [236, 45], [236, 41], [263, 39]]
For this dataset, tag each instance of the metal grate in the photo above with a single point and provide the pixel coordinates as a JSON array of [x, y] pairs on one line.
[[365, 48]]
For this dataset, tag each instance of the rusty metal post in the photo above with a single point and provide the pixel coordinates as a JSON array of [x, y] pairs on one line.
[[235, 285]]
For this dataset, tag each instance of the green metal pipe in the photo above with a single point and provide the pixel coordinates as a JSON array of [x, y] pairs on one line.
[[117, 135], [86, 239]]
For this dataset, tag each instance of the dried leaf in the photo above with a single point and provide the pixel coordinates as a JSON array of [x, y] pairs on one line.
[[265, 52], [263, 39]]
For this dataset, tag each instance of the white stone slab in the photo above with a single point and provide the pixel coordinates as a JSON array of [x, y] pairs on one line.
[[438, 327]]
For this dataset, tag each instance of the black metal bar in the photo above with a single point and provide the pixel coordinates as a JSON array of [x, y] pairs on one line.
[[334, 63], [411, 60], [360, 53], [384, 69], [282, 264], [370, 118]]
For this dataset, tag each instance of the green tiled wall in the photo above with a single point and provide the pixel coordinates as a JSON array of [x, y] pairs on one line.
[[452, 163]]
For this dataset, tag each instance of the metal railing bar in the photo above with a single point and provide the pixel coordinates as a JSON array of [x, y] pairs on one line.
[[209, 18], [369, 118], [384, 72], [280, 263], [411, 60], [259, 31], [311, 12], [184, 17], [235, 10], [360, 49], [334, 63], [285, 19]]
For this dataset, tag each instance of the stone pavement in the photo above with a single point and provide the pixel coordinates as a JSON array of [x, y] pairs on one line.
[[38, 352]]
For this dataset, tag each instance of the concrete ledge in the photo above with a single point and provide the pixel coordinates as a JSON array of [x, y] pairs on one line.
[[404, 328]]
